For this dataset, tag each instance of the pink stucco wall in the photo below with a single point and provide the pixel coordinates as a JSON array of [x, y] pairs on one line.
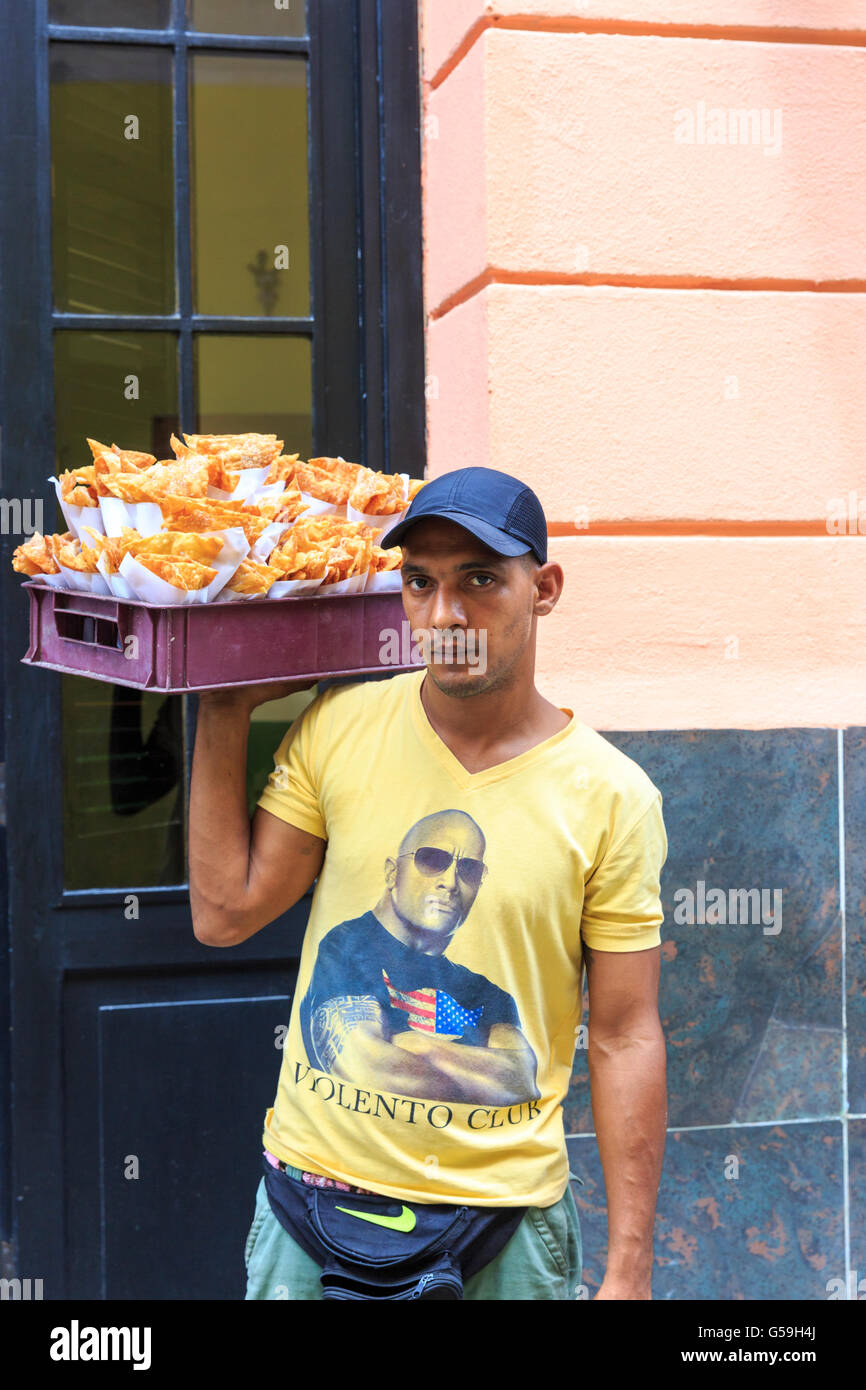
[[649, 304]]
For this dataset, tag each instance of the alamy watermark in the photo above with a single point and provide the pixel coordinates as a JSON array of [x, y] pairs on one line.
[[20, 1290], [453, 647], [734, 907], [846, 516], [21, 516], [729, 125]]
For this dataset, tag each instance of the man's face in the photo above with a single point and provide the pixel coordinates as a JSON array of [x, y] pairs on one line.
[[452, 582], [436, 897]]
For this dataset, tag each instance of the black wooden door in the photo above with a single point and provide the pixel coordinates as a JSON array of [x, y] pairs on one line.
[[210, 221]]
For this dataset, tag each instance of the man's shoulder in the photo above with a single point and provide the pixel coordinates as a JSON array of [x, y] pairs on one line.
[[354, 702], [352, 927], [605, 765]]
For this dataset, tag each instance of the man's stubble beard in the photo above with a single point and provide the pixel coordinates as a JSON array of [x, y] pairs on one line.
[[467, 685]]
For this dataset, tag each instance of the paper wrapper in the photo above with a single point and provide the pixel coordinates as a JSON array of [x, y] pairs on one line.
[[143, 517], [232, 596], [269, 540], [54, 581], [82, 583], [379, 581], [76, 517], [149, 588], [376, 523], [316, 507], [250, 489], [116, 582], [265, 491], [381, 523], [353, 585], [284, 588]]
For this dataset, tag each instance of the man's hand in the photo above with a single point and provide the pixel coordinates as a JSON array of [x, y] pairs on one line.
[[249, 697]]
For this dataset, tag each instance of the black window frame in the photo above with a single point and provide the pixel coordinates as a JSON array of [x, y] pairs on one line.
[[366, 323]]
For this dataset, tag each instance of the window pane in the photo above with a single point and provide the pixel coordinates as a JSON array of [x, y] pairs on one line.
[[123, 786], [250, 236], [112, 178], [123, 752], [256, 384], [286, 18], [119, 388], [114, 14]]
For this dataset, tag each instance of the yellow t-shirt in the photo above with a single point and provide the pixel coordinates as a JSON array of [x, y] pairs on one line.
[[433, 1029]]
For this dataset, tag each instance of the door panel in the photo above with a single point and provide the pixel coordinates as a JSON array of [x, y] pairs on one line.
[[167, 1094]]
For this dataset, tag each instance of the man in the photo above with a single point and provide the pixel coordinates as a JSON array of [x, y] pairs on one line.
[[386, 1002], [574, 842]]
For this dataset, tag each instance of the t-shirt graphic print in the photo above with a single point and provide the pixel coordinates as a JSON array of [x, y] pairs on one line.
[[438, 1000]]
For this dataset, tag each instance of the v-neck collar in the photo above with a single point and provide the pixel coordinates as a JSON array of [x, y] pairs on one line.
[[453, 765]]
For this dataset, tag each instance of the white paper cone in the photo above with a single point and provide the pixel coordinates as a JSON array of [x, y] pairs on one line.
[[93, 520], [353, 585], [376, 523], [260, 494], [117, 585], [54, 581], [72, 580], [100, 584], [316, 507], [250, 481], [143, 517], [383, 580], [268, 541], [75, 517], [284, 588], [83, 583], [236, 548], [149, 588]]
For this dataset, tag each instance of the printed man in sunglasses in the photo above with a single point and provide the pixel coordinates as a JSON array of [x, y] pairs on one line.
[[385, 1003], [432, 1037]]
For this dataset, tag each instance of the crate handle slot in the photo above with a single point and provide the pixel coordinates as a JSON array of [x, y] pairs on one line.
[[87, 629], [95, 606]]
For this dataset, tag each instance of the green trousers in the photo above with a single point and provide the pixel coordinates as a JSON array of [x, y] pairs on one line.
[[542, 1260]]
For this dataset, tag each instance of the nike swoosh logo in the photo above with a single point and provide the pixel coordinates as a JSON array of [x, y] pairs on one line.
[[404, 1222]]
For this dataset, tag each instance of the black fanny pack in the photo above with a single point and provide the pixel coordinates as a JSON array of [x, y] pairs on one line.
[[379, 1247]]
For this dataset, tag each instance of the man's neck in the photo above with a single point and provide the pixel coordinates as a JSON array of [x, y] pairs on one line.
[[492, 727], [426, 943]]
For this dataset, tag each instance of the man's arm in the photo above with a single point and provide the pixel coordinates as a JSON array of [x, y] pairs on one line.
[[626, 1055], [502, 1073], [351, 1037], [241, 875]]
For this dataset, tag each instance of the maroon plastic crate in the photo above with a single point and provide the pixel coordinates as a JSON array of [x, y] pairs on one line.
[[210, 646]]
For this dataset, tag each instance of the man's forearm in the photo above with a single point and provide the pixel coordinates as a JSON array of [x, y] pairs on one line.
[[629, 1105], [483, 1075], [219, 822]]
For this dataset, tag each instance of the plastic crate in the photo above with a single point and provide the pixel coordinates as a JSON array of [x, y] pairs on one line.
[[211, 646]]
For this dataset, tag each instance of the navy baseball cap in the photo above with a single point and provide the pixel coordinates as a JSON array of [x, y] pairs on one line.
[[500, 510]]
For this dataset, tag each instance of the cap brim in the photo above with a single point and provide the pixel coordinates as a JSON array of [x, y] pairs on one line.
[[495, 539]]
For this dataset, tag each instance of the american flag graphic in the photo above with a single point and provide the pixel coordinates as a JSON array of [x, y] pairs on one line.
[[432, 1010]]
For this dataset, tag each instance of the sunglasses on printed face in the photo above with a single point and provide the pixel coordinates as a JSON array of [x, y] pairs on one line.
[[432, 861]]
